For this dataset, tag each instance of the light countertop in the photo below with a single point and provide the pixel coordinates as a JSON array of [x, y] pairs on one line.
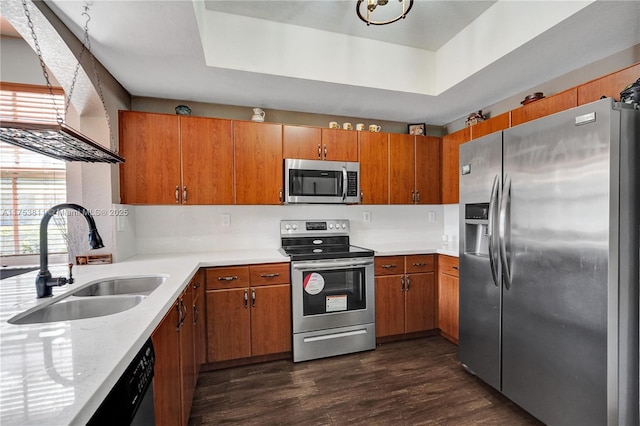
[[58, 373]]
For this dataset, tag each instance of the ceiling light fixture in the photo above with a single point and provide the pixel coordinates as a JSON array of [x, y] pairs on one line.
[[371, 6], [56, 139]]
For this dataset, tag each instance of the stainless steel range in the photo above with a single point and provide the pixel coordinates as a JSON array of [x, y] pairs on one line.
[[332, 289]]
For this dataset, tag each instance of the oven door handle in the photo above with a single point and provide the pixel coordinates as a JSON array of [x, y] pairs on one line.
[[317, 266]]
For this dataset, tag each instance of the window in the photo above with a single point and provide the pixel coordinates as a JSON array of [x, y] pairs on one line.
[[31, 183]]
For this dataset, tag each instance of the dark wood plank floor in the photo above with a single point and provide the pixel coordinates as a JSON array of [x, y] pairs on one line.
[[412, 382]]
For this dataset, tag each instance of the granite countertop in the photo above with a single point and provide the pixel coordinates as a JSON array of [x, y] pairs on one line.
[[58, 373]]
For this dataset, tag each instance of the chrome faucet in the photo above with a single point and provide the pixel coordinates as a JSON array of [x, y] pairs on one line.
[[45, 281]]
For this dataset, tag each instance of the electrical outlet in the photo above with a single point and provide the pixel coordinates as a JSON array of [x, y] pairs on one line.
[[366, 216], [432, 216], [226, 219]]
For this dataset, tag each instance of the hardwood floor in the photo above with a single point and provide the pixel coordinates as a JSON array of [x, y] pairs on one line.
[[413, 382]]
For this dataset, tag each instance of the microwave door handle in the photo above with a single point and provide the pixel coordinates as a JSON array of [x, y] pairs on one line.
[[317, 266], [344, 183]]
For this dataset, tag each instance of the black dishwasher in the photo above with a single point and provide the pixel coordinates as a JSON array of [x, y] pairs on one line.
[[130, 402]]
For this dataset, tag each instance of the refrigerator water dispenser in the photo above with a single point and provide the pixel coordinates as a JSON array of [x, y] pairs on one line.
[[476, 229]]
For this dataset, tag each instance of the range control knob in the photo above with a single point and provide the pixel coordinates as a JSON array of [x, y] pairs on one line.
[[331, 226], [294, 226], [344, 226], [287, 227]]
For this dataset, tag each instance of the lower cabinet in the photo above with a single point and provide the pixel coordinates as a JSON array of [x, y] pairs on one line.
[[175, 369], [248, 311], [405, 294], [448, 297]]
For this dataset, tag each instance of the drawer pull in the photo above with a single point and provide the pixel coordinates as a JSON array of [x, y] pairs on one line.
[[235, 277], [457, 268], [420, 264], [269, 275], [388, 266]]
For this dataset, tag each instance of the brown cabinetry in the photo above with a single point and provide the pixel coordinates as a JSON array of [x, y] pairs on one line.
[[448, 297], [546, 106], [314, 143], [258, 162], [374, 168], [248, 311], [405, 295], [450, 164], [169, 159], [175, 372], [494, 124], [199, 319], [609, 85], [414, 169]]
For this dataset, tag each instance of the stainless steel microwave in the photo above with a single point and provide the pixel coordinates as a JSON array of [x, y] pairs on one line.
[[321, 182]]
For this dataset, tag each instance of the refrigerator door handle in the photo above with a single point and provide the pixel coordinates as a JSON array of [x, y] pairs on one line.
[[502, 230], [493, 208]]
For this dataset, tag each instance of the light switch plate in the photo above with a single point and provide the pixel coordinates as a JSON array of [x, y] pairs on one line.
[[432, 216], [366, 216], [226, 219]]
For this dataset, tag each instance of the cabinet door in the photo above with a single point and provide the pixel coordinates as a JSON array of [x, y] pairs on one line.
[[543, 107], [420, 302], [448, 314], [339, 145], [228, 324], [271, 319], [427, 170], [301, 142], [401, 169], [494, 124], [389, 306], [187, 356], [374, 168], [167, 395], [610, 85], [199, 324], [258, 162], [451, 164], [207, 160], [150, 145]]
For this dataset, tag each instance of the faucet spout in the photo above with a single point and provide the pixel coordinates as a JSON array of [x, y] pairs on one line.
[[44, 280]]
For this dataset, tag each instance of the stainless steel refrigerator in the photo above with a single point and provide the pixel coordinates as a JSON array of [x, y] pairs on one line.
[[549, 264]]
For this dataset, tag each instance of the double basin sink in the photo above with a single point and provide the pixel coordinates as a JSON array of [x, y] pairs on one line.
[[105, 297]]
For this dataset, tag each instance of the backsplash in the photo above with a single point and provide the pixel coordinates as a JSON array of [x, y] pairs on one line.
[[181, 229]]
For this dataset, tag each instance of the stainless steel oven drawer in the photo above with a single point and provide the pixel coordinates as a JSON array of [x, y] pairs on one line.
[[334, 341]]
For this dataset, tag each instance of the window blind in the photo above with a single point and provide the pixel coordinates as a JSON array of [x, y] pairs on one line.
[[31, 183]]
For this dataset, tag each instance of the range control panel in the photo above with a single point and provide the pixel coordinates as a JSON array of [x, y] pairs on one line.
[[314, 227]]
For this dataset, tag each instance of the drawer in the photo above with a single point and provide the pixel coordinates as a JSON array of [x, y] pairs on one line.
[[269, 273], [389, 265], [227, 277], [420, 263], [448, 265]]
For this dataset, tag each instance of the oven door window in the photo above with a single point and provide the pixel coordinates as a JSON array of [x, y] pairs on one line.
[[323, 183], [329, 291]]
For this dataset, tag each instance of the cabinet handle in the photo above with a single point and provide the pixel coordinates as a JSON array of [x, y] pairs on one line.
[[246, 299], [325, 152], [361, 196], [184, 195], [387, 266], [402, 281], [280, 195], [413, 196], [408, 283], [179, 317], [319, 151], [420, 264], [457, 268], [177, 194], [185, 312], [195, 314], [235, 277], [269, 275], [418, 196], [253, 298], [196, 285]]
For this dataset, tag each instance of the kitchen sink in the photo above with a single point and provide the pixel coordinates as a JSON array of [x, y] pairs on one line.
[[115, 286], [73, 309]]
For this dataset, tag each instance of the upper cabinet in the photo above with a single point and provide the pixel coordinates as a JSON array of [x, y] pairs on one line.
[[609, 86], [168, 159], [374, 168], [546, 106], [314, 143], [414, 169], [450, 164], [258, 162], [493, 124]]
